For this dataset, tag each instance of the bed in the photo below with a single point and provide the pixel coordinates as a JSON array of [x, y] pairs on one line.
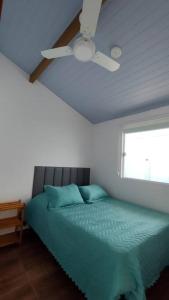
[[109, 248]]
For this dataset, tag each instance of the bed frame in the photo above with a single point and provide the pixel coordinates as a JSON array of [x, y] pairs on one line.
[[58, 176]]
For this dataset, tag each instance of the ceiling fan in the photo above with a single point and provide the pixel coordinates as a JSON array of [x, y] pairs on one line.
[[84, 48]]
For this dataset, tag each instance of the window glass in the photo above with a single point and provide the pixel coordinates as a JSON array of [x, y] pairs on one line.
[[146, 155]]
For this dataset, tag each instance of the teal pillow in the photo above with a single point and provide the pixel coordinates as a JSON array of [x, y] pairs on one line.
[[93, 192], [63, 196]]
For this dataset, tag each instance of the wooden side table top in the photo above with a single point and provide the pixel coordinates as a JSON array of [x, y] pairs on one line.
[[17, 204]]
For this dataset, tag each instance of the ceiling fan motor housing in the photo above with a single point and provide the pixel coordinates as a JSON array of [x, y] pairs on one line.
[[84, 49]]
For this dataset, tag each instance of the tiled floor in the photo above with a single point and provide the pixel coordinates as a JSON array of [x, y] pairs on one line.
[[30, 272]]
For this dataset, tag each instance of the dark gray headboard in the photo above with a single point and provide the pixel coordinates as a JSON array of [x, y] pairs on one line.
[[58, 176]]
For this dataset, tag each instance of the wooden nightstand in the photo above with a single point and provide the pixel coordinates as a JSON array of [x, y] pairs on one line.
[[10, 222]]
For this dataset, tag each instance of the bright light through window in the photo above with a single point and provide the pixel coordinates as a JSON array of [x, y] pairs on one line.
[[146, 155]]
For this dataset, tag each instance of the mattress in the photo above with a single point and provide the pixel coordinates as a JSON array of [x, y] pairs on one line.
[[107, 248]]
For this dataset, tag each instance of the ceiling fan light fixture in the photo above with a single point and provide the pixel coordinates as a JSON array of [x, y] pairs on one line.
[[84, 50]]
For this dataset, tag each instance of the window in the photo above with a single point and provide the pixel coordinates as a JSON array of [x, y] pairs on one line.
[[146, 153]]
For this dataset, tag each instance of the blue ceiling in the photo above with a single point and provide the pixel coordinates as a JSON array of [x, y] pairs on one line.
[[140, 27]]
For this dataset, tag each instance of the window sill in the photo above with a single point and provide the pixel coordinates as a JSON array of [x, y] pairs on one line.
[[144, 181]]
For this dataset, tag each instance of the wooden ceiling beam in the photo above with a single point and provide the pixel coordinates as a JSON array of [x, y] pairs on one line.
[[64, 40], [1, 5]]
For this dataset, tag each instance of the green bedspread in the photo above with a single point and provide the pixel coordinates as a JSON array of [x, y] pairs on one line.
[[108, 248]]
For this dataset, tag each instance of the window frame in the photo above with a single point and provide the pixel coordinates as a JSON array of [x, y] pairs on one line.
[[141, 126]]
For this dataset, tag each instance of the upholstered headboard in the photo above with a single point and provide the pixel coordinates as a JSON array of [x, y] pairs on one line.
[[58, 176]]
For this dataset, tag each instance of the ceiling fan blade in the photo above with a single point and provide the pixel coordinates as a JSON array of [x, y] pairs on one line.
[[105, 62], [57, 52], [89, 17]]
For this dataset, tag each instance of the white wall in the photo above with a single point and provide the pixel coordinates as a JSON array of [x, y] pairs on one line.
[[106, 161], [36, 128]]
